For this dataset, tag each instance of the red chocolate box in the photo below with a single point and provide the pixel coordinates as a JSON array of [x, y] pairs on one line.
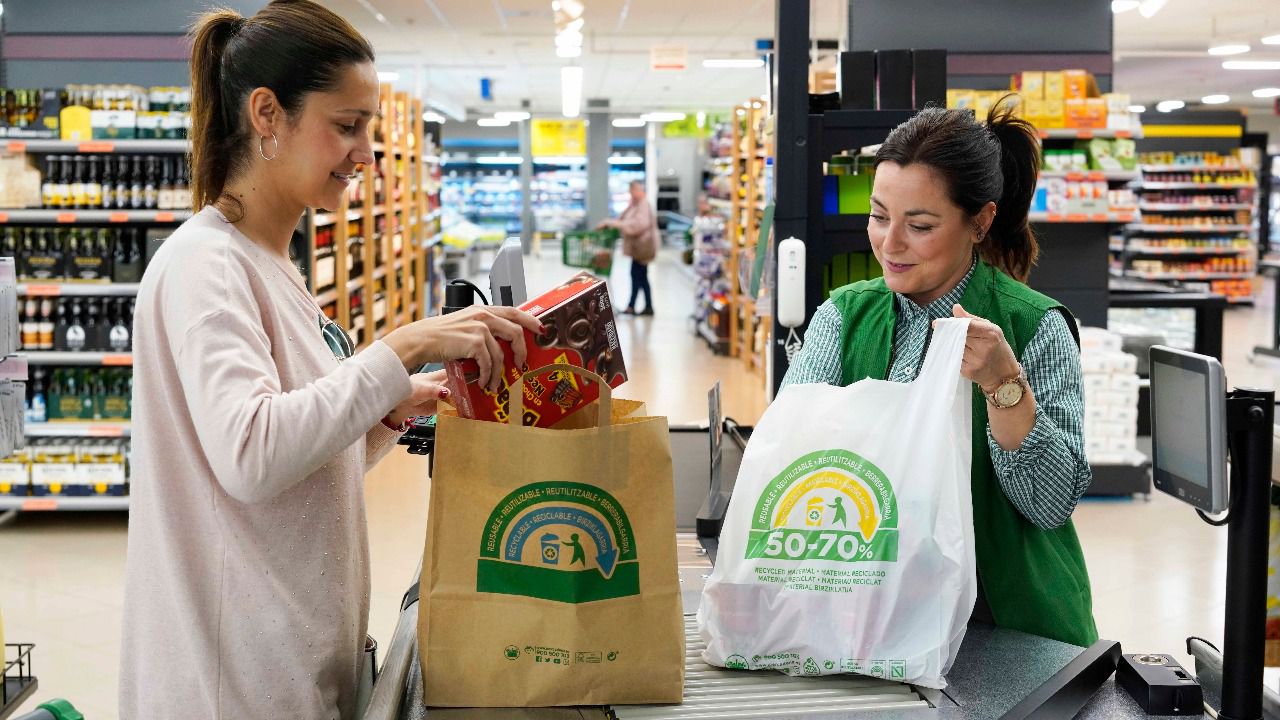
[[580, 331]]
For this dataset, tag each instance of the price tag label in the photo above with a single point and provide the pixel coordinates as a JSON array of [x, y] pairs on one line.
[[66, 217], [1124, 133], [97, 147], [1101, 217], [44, 290], [118, 217], [164, 216], [4, 217], [39, 504], [1077, 217], [1085, 134], [1044, 134], [17, 146], [106, 431], [117, 360]]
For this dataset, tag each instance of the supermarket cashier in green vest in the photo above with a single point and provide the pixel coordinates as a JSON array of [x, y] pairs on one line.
[[949, 227]]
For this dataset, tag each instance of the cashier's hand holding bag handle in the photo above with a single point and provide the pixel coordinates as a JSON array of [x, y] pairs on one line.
[[949, 226], [247, 591]]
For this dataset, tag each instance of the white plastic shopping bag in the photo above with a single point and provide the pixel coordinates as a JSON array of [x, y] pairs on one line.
[[848, 545]]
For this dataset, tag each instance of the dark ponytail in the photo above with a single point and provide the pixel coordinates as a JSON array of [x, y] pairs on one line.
[[292, 47], [213, 139], [997, 163], [1010, 245]]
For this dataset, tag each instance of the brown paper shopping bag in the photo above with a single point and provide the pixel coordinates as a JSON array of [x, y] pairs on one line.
[[549, 575]]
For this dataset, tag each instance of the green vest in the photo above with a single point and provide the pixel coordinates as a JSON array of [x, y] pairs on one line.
[[1034, 580]]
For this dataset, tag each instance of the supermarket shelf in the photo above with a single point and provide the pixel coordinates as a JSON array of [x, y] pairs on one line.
[[1110, 175], [1156, 250], [51, 502], [1086, 133], [1191, 186], [97, 217], [50, 357], [79, 289], [61, 429], [1191, 168], [326, 297], [1141, 227], [141, 147], [1110, 217], [1246, 301], [323, 218], [1188, 276], [1179, 207]]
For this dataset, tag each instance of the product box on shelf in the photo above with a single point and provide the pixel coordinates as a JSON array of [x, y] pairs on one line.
[[114, 124], [1110, 382], [15, 474], [1033, 85], [19, 181], [580, 331]]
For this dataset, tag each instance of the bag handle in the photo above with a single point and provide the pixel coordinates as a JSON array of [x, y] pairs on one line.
[[517, 392], [946, 349]]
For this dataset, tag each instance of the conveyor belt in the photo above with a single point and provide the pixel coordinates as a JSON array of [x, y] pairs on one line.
[[711, 693]]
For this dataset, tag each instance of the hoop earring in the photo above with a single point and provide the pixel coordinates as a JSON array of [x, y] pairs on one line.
[[275, 145]]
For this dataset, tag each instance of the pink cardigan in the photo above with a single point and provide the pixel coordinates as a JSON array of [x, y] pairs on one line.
[[247, 580]]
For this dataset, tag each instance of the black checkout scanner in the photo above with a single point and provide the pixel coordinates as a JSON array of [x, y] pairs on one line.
[[1001, 673]]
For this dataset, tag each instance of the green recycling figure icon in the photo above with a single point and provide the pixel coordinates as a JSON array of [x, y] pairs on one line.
[[840, 517], [579, 554]]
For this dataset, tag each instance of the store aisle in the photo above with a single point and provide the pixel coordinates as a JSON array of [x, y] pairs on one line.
[[1156, 569]]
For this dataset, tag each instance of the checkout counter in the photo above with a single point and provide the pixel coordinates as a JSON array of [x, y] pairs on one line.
[[999, 673]]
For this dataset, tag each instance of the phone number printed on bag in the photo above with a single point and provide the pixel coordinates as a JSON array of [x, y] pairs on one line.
[[831, 505], [562, 541]]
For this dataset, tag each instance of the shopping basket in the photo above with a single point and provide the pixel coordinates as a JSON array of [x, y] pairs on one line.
[[592, 249]]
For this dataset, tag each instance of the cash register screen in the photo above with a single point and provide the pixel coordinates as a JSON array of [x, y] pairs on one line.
[[1183, 446], [1188, 428]]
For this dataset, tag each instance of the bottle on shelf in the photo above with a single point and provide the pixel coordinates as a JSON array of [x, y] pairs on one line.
[[103, 251], [137, 197], [30, 328], [45, 328], [151, 185], [75, 337], [122, 182], [78, 197], [127, 263], [93, 183], [181, 187], [49, 188], [94, 338], [165, 199], [37, 412], [120, 338]]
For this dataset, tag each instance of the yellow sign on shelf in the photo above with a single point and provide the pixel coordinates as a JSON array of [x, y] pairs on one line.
[[559, 138]]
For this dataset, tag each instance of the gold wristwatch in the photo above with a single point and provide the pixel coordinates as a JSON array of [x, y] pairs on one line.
[[1010, 392]]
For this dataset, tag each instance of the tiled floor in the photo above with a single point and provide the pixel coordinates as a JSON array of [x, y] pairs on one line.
[[1157, 569]]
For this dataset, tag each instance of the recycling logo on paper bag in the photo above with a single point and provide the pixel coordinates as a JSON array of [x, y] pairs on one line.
[[830, 505], [562, 541]]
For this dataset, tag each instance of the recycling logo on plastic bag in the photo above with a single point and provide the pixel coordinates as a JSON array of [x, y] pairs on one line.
[[830, 505]]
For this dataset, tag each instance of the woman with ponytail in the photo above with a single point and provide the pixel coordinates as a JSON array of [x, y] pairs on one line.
[[949, 227], [247, 578]]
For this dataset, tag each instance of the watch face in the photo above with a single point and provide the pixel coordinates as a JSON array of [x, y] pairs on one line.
[[1009, 394]]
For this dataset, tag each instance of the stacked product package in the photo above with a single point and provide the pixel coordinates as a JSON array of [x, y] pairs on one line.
[[1110, 378]]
